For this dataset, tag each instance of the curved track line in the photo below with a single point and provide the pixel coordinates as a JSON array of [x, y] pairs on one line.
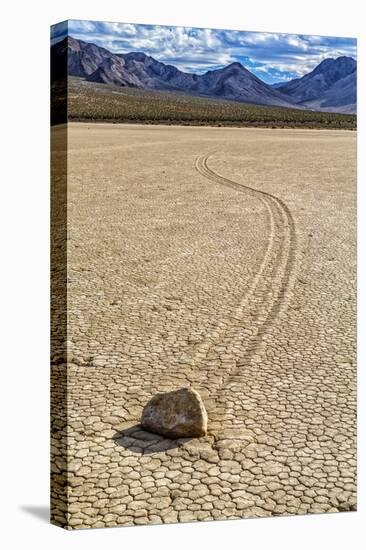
[[270, 288], [212, 339]]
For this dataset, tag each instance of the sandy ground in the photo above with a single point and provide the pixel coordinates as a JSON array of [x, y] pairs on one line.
[[222, 259]]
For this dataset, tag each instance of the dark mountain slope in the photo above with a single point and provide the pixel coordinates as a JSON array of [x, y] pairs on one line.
[[314, 84], [341, 97], [83, 58], [235, 82]]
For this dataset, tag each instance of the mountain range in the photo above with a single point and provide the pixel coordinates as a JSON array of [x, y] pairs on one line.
[[331, 86]]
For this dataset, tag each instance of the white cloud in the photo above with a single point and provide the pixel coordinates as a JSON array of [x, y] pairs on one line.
[[194, 49], [81, 26]]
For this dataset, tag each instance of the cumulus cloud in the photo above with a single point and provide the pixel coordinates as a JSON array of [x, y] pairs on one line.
[[272, 56]]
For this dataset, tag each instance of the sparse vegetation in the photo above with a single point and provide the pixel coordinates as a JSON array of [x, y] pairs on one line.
[[104, 103]]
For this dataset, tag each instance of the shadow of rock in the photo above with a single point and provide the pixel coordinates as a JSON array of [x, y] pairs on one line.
[[139, 441], [40, 512]]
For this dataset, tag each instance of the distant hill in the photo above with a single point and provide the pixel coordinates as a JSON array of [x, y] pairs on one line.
[[233, 82], [330, 86], [341, 97], [138, 70], [277, 84]]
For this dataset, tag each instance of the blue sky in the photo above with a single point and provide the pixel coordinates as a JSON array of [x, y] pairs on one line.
[[273, 57]]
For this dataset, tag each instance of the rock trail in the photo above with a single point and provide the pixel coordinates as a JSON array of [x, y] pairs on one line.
[[179, 274]]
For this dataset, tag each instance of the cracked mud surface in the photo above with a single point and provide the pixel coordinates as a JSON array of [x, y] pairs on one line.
[[223, 259]]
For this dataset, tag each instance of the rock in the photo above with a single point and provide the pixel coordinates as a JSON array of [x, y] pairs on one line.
[[176, 414]]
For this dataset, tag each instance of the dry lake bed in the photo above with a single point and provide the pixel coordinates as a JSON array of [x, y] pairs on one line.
[[222, 259]]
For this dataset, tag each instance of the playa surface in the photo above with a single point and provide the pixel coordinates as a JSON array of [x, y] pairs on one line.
[[222, 259]]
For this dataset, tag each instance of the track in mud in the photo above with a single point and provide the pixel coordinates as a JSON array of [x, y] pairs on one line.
[[268, 293]]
